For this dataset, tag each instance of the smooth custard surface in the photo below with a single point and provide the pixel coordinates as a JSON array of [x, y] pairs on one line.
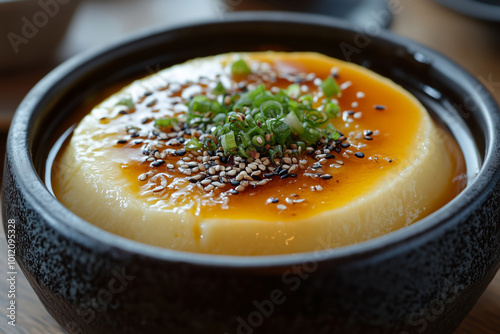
[[408, 167]]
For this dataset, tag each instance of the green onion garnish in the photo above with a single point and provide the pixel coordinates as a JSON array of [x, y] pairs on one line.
[[126, 102], [240, 67], [228, 142], [330, 87], [257, 121], [219, 89], [165, 122]]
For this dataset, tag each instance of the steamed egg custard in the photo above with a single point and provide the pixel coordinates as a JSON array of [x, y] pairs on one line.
[[258, 154]]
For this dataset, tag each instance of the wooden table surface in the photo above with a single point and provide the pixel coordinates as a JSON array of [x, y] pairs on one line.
[[471, 43]]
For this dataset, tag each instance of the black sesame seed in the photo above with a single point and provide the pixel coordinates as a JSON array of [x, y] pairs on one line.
[[283, 172], [192, 180], [310, 153], [148, 93], [345, 145], [157, 163], [188, 132], [277, 170], [235, 183], [326, 177], [329, 156], [274, 200], [223, 159], [338, 149], [123, 112], [293, 175], [122, 141], [379, 107], [181, 140], [156, 133], [359, 155], [368, 138], [138, 141], [257, 178], [180, 152], [269, 175], [350, 112], [134, 135], [368, 132], [284, 176], [234, 192]]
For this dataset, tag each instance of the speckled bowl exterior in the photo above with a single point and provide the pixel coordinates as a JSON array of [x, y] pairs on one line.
[[421, 279]]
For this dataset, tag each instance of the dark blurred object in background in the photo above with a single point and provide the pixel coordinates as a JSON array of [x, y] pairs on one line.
[[32, 30], [359, 12], [487, 10]]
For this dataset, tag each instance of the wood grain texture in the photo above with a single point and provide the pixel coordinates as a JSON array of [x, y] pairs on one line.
[[470, 43]]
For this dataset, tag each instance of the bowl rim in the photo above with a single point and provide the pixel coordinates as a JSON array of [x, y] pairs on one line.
[[83, 232]]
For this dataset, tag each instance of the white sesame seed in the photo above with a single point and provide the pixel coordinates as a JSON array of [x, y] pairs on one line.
[[143, 177], [319, 188], [345, 85], [281, 207], [209, 188], [240, 188], [158, 189], [360, 95]]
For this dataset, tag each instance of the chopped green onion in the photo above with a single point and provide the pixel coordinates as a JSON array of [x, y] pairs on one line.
[[228, 142], [165, 122], [330, 87], [240, 67], [258, 141], [307, 100], [219, 89], [331, 132], [243, 152], [282, 131], [271, 109], [126, 102], [193, 144], [293, 91], [294, 123], [332, 109]]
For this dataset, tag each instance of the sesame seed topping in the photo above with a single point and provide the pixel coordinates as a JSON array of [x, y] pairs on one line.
[[359, 155]]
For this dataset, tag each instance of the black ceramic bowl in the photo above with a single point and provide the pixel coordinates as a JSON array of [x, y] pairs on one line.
[[423, 278]]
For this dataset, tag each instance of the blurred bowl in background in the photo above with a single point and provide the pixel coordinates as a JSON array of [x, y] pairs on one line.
[[486, 10], [32, 30]]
